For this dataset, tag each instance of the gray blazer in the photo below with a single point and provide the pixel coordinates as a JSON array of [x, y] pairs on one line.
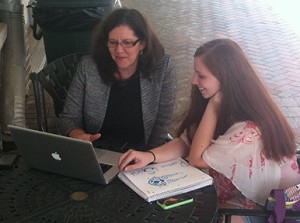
[[87, 100]]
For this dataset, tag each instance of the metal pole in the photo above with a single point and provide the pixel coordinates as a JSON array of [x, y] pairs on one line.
[[12, 97]]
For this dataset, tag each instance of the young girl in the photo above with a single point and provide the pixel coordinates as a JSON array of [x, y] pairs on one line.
[[233, 127]]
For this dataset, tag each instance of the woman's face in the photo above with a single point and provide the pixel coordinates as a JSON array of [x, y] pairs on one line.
[[124, 48], [206, 82]]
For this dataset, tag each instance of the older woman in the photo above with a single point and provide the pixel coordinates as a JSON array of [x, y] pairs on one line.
[[125, 90]]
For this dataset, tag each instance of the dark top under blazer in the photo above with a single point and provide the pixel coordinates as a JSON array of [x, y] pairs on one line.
[[87, 100]]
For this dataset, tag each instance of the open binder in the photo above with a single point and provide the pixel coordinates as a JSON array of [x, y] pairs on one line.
[[162, 180]]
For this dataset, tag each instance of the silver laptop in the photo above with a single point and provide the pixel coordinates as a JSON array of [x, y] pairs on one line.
[[66, 156]]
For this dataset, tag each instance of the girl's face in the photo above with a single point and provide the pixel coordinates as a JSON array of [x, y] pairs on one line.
[[206, 82], [124, 48]]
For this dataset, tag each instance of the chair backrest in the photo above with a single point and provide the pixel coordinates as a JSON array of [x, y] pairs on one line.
[[55, 78]]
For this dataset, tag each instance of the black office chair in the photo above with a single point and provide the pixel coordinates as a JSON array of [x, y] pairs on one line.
[[55, 78], [227, 213]]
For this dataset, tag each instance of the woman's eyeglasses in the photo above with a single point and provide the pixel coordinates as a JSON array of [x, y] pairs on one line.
[[124, 43]]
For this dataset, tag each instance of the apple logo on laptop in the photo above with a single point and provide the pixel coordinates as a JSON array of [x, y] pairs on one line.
[[56, 156]]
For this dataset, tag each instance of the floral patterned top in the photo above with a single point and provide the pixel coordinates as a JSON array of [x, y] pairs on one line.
[[242, 174]]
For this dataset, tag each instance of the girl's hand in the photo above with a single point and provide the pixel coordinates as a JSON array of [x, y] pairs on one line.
[[132, 160], [215, 100], [80, 134]]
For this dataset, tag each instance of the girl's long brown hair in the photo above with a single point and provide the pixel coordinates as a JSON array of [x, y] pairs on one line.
[[244, 98]]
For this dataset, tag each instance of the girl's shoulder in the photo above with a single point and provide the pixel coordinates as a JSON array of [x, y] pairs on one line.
[[243, 125], [241, 132]]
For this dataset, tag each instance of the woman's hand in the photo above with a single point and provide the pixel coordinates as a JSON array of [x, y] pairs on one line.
[[80, 134], [132, 160]]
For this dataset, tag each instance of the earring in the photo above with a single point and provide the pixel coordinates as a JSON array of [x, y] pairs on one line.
[[141, 52]]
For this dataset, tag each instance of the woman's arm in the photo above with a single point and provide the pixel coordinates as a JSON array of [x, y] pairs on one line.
[[204, 133], [71, 119]]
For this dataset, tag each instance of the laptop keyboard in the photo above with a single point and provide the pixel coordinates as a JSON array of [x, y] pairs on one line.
[[105, 167]]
